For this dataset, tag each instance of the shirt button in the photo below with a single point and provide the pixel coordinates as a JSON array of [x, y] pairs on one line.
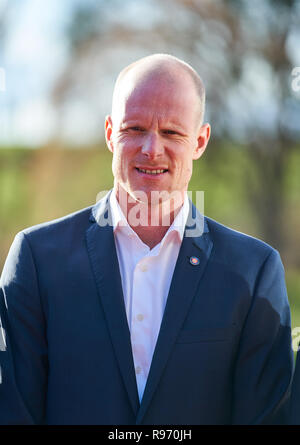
[[140, 317], [138, 369]]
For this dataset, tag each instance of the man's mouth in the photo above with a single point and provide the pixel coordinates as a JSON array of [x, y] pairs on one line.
[[151, 172]]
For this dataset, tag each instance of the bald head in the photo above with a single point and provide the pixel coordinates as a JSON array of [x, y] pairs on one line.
[[165, 67]]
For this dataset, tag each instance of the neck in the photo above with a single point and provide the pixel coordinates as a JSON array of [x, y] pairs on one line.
[[149, 220]]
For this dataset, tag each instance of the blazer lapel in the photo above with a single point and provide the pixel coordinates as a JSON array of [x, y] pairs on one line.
[[104, 261], [183, 287]]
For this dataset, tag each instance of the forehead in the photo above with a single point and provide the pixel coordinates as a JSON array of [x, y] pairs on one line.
[[165, 97]]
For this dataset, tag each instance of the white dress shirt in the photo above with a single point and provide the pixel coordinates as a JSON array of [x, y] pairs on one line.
[[146, 277]]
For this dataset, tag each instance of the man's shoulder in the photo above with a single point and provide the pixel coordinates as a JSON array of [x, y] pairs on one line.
[[47, 242], [231, 243], [73, 221]]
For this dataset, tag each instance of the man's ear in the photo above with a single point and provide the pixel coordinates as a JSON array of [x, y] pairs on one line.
[[203, 138], [108, 133]]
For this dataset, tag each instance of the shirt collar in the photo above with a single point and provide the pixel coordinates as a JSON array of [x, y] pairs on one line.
[[119, 220], [118, 217]]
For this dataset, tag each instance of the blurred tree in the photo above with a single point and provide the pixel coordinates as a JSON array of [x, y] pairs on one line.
[[244, 51], [254, 103], [3, 22]]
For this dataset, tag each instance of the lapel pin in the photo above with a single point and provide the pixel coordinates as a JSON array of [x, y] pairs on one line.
[[194, 260]]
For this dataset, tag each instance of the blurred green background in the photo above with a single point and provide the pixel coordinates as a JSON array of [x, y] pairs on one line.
[[58, 65], [40, 185]]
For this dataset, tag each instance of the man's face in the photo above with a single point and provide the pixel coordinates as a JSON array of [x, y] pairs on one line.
[[154, 135]]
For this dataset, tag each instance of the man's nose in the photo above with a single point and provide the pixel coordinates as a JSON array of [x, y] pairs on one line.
[[152, 146]]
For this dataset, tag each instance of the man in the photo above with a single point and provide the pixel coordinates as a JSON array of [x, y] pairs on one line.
[[114, 316]]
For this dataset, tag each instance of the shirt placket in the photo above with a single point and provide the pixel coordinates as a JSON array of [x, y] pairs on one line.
[[141, 323]]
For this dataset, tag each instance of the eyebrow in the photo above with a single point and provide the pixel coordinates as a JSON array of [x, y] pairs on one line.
[[167, 125]]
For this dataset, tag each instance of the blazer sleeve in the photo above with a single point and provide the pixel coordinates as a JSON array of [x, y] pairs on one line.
[[264, 364], [25, 364]]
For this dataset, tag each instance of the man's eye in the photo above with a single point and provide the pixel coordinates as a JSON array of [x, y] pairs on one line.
[[169, 132], [136, 128]]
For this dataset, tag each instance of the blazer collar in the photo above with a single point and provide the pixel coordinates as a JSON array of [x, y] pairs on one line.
[[104, 262]]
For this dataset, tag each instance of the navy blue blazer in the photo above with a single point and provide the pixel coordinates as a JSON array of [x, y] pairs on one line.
[[223, 354]]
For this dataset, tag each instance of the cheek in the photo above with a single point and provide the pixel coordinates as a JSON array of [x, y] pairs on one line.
[[117, 163], [188, 173], [120, 162], [185, 164], [124, 149], [184, 170], [190, 167]]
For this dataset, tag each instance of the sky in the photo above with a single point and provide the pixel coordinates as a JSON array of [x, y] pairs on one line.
[[34, 46], [34, 55]]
